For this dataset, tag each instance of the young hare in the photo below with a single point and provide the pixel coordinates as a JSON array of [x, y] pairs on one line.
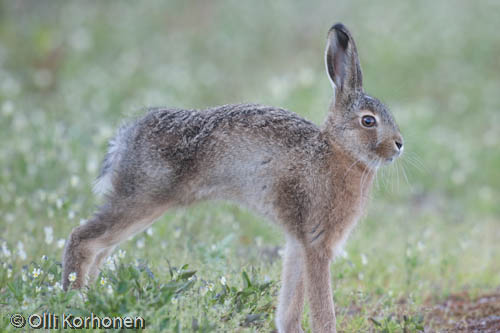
[[312, 181]]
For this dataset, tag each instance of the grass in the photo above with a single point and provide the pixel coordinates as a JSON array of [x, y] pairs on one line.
[[71, 72]]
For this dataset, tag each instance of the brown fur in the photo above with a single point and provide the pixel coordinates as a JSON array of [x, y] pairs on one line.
[[313, 182]]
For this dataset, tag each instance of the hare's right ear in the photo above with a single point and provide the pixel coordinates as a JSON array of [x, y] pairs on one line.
[[342, 62]]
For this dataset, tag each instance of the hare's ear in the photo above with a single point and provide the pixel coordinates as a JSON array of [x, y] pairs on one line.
[[342, 62]]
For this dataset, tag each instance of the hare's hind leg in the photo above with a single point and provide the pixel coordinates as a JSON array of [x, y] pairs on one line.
[[291, 299], [95, 267], [116, 221]]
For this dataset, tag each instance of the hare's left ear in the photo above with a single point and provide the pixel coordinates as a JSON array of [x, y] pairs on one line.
[[342, 62]]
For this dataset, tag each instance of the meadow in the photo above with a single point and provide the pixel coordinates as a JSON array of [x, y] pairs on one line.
[[424, 257]]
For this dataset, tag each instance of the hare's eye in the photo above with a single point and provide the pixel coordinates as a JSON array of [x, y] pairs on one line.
[[368, 121]]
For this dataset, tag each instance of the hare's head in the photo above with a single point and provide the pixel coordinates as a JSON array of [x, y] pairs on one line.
[[360, 124]]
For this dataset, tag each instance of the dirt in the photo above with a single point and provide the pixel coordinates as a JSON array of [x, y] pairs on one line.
[[463, 313]]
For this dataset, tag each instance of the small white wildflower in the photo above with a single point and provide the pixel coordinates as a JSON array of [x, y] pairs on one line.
[[50, 277], [83, 221], [5, 250], [25, 304], [20, 250], [420, 246], [210, 286], [71, 214], [110, 263], [103, 281], [72, 277], [140, 243], [58, 285], [9, 273], [110, 289], [24, 277], [149, 231], [177, 233], [60, 243], [223, 281], [121, 253], [38, 289], [44, 258], [59, 203], [7, 107], [50, 288], [364, 260], [49, 235], [74, 180], [36, 272], [174, 300], [344, 254], [191, 278]]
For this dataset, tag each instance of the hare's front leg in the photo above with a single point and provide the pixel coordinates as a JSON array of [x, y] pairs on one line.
[[319, 291], [291, 299]]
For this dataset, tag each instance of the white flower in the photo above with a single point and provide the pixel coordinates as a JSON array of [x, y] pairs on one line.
[[140, 243], [110, 289], [58, 285], [121, 253], [44, 258], [9, 273], [60, 243], [50, 277], [149, 231], [49, 235], [71, 214], [74, 180], [210, 286], [59, 203], [110, 263], [24, 277], [26, 303], [5, 250], [177, 233], [20, 250], [223, 281], [103, 281], [36, 272], [174, 300], [83, 221], [364, 260], [72, 277], [38, 289]]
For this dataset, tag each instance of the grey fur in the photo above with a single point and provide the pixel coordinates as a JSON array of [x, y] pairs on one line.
[[312, 181]]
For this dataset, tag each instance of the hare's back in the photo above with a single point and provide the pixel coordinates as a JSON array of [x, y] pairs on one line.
[[180, 133]]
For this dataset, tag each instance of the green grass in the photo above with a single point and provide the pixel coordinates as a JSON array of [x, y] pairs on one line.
[[71, 72]]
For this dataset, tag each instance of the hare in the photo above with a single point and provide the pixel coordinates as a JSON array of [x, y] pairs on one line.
[[312, 181]]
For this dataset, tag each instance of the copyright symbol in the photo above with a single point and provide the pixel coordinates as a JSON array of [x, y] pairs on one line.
[[17, 320]]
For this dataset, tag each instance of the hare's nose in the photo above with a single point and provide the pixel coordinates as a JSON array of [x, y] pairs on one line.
[[399, 144], [398, 141]]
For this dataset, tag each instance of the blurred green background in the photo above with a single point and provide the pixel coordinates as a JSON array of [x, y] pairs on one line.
[[72, 71]]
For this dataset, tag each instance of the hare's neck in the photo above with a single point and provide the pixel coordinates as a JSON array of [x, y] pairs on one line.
[[353, 174]]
